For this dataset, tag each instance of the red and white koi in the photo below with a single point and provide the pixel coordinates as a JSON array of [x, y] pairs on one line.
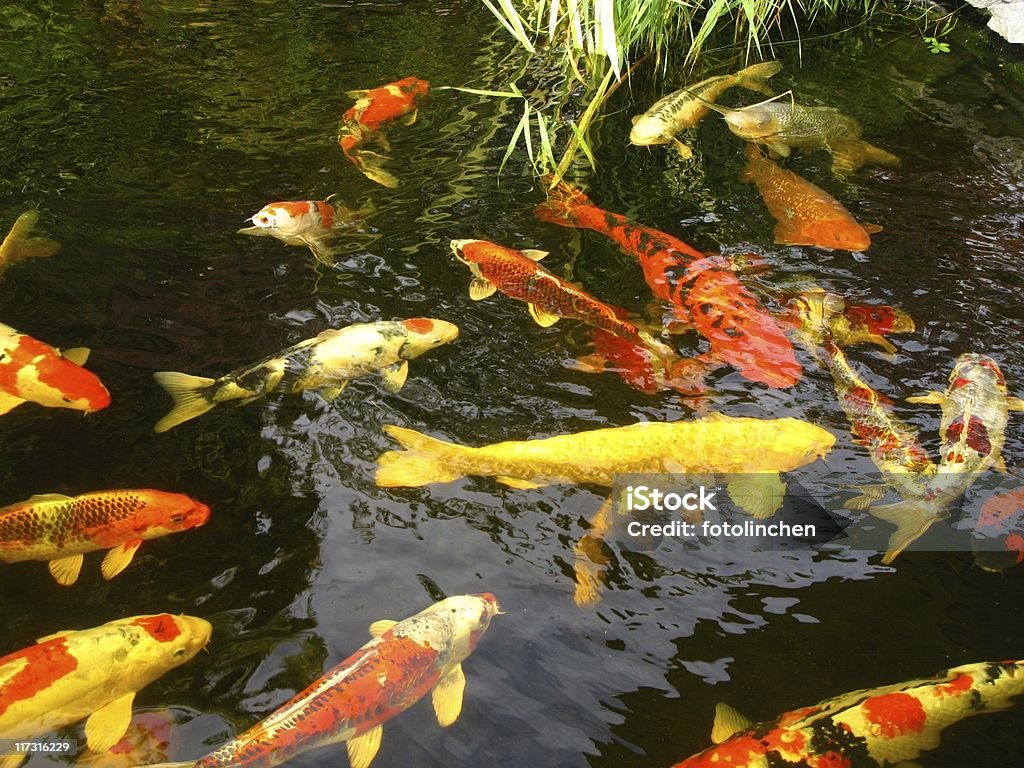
[[32, 371], [91, 673], [60, 529], [402, 663], [373, 110], [975, 410], [882, 726], [306, 222], [700, 287]]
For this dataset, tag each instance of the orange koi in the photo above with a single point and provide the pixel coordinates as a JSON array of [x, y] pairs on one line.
[[700, 287], [31, 371], [882, 726], [92, 673], [402, 663], [549, 297], [373, 110], [61, 529], [806, 214]]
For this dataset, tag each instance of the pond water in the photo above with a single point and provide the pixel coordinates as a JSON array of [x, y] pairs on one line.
[[146, 135]]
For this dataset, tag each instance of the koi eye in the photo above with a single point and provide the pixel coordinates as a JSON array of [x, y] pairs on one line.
[[261, 221], [179, 653], [66, 399], [177, 517]]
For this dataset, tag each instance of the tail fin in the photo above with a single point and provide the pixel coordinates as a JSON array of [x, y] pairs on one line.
[[753, 77], [18, 246], [911, 518], [878, 156], [371, 165], [189, 395], [425, 460], [564, 205]]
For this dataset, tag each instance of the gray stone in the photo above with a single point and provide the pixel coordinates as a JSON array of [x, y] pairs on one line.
[[1008, 21]]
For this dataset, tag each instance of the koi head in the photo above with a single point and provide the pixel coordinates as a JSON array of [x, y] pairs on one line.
[[413, 86], [40, 374], [169, 512], [796, 443], [159, 643], [424, 334], [467, 618], [647, 130], [980, 370], [287, 218], [467, 251]]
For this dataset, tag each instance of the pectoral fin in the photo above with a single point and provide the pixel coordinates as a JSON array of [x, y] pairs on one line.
[[447, 696], [66, 569], [911, 520], [118, 558], [330, 394], [542, 317], [533, 254], [515, 482], [356, 94], [76, 355], [12, 761], [8, 403], [362, 749], [481, 288], [780, 149], [378, 628], [728, 722], [107, 725], [684, 151], [395, 376], [869, 494], [320, 250], [932, 398], [1014, 404], [759, 494], [410, 118]]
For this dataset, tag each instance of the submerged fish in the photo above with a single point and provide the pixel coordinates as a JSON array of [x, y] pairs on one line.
[[700, 287], [975, 410], [760, 448], [18, 246], [518, 275], [999, 526], [146, 741], [91, 673], [871, 323], [389, 674], [783, 127], [307, 222], [806, 214], [326, 363], [685, 108], [373, 110], [884, 726], [31, 371], [61, 529]]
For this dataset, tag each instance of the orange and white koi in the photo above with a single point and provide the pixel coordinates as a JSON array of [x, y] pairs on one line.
[[373, 110], [402, 663], [61, 528], [325, 363], [32, 371], [518, 275], [307, 222], [91, 673], [806, 214], [700, 287], [882, 726], [975, 410], [998, 541], [18, 246]]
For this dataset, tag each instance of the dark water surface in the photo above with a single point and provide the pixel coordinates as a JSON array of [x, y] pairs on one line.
[[146, 135]]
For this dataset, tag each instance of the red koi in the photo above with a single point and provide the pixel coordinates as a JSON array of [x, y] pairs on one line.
[[806, 214], [31, 371], [701, 287], [878, 726], [60, 528], [389, 674], [373, 110]]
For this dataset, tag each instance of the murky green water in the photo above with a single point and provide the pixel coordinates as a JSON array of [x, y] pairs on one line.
[[148, 134]]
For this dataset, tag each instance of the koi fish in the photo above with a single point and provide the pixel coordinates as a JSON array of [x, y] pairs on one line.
[[1000, 521], [60, 528], [549, 297], [91, 673], [146, 741], [325, 363], [374, 109], [858, 323], [975, 410], [806, 214], [34, 372], [784, 127], [18, 246], [307, 222], [389, 674], [761, 448], [700, 287], [685, 108], [882, 726], [892, 446], [640, 370]]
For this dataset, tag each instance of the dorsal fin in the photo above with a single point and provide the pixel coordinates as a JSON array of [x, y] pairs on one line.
[[728, 722]]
